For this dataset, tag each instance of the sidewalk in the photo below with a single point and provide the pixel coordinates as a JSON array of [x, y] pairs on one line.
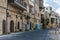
[[14, 34], [11, 34]]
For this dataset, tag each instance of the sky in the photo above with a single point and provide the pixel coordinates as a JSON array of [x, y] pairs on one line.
[[55, 4]]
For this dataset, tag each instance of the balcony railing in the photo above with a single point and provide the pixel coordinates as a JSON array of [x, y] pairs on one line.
[[19, 3]]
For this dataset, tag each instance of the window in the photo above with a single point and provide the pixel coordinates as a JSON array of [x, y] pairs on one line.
[[31, 9], [50, 8], [18, 25], [42, 18], [47, 8], [52, 20], [21, 17], [50, 14], [16, 16], [38, 14], [42, 15]]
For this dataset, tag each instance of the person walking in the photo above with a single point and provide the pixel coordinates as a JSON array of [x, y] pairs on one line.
[[38, 26]]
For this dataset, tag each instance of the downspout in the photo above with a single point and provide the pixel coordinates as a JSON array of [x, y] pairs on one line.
[[7, 18], [34, 13]]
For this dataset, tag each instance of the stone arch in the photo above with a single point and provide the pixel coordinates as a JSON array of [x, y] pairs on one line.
[[4, 26], [11, 26]]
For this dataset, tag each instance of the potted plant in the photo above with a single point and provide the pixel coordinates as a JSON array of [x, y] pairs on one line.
[[27, 17]]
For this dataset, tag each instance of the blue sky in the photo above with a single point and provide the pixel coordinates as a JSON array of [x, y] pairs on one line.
[[55, 4]]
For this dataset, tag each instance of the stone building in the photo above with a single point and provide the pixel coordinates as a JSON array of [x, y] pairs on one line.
[[54, 19], [48, 14], [18, 15], [52, 16]]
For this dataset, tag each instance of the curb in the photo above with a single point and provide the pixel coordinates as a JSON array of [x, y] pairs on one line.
[[14, 34]]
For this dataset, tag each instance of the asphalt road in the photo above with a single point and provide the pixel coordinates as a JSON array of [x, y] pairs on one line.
[[32, 35]]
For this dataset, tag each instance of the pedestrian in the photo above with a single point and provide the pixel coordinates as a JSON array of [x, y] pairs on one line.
[[38, 26]]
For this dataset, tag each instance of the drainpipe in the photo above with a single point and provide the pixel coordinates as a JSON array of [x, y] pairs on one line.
[[34, 13], [6, 17], [16, 24], [21, 17]]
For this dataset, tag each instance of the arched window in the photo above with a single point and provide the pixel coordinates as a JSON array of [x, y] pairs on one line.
[[11, 26], [4, 26]]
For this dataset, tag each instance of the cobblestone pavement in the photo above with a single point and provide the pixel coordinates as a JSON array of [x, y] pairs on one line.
[[33, 35]]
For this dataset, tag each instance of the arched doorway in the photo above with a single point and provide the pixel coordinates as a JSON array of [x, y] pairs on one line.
[[4, 26], [18, 25], [11, 26], [30, 25]]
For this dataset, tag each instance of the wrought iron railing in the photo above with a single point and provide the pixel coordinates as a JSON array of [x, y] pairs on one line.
[[21, 2]]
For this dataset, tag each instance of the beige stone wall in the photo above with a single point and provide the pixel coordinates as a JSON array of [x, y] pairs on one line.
[[13, 11], [38, 12], [3, 3], [37, 7], [54, 25], [2, 17]]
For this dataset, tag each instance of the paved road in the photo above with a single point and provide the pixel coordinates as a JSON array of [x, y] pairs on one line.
[[32, 35]]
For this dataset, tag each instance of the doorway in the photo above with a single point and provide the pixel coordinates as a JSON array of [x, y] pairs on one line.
[[11, 26], [4, 26]]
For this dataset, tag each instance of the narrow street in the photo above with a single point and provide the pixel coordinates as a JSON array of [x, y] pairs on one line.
[[32, 35]]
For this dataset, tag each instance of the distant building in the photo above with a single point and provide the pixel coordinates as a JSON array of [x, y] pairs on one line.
[[54, 19], [47, 15], [51, 15]]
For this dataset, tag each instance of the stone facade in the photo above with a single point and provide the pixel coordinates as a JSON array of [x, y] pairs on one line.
[[13, 18], [2, 14], [51, 14]]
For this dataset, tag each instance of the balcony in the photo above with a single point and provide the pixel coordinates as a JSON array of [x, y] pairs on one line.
[[19, 4], [41, 7]]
